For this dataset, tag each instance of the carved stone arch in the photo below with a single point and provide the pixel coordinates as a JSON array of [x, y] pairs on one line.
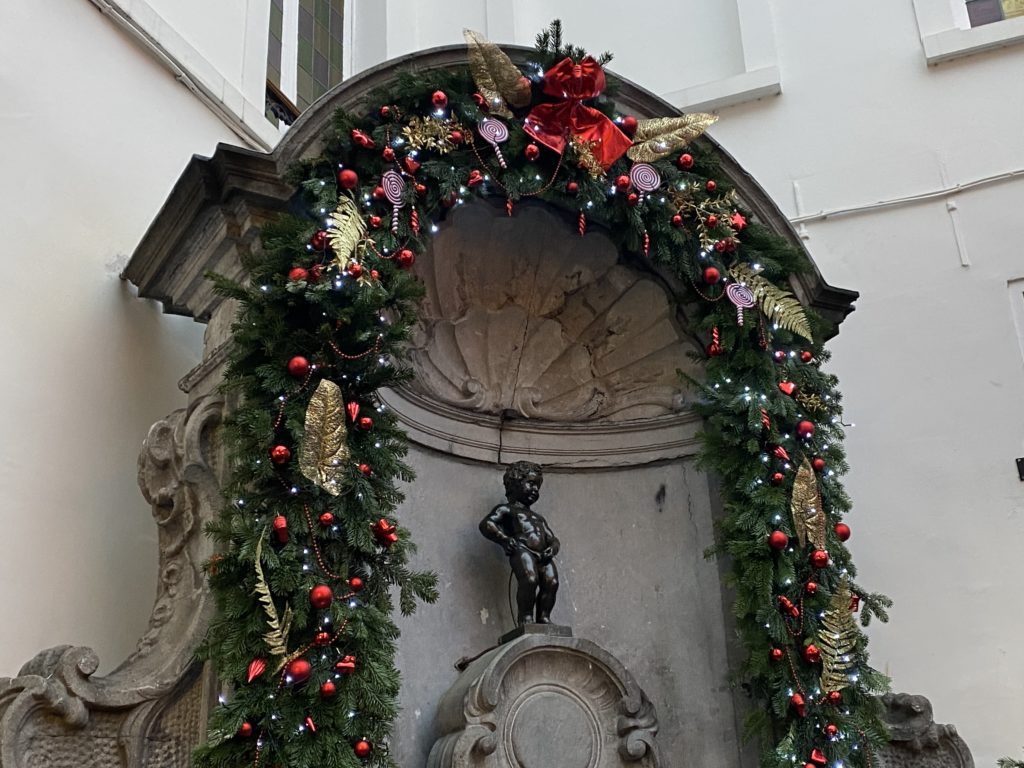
[[150, 711]]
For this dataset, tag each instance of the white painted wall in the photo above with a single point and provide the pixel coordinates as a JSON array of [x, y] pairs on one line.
[[94, 136], [931, 362]]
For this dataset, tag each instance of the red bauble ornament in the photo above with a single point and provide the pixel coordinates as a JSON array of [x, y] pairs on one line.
[[787, 388], [818, 464], [256, 668], [406, 258], [779, 355], [778, 540], [633, 199], [806, 356], [346, 666], [322, 638], [299, 670], [362, 748], [712, 275], [314, 273], [385, 111], [455, 137], [685, 161], [374, 274], [355, 269], [835, 698], [805, 429], [776, 654], [475, 178], [321, 596], [622, 183], [439, 99], [245, 730], [711, 186], [298, 366], [375, 222], [280, 526], [811, 588], [842, 531], [532, 152], [798, 703], [365, 423], [297, 274], [777, 478], [572, 188], [326, 519], [379, 193], [629, 125], [319, 240], [677, 220], [328, 689], [421, 189], [721, 246], [819, 558], [388, 154], [348, 179], [280, 454], [711, 221], [366, 469], [831, 730], [411, 165], [356, 584]]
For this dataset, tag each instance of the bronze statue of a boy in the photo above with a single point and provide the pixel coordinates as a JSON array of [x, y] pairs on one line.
[[527, 540]]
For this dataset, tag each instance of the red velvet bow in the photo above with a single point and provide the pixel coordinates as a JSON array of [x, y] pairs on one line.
[[550, 124]]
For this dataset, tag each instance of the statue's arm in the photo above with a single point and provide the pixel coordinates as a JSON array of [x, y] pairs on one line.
[[491, 527]]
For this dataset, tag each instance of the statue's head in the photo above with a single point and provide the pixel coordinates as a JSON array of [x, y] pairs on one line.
[[522, 482]]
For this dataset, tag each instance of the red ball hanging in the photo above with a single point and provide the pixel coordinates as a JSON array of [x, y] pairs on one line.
[[777, 478], [633, 199], [818, 464], [811, 588], [811, 654], [245, 730], [297, 274], [322, 638], [321, 596], [374, 274], [385, 111], [622, 183], [712, 275], [348, 179], [366, 469], [711, 186], [835, 698], [280, 454], [328, 689], [842, 531], [572, 188], [776, 654], [355, 269], [439, 99], [298, 366], [685, 161], [629, 125], [406, 258], [677, 220], [379, 193], [365, 423], [455, 137], [421, 189], [711, 221], [299, 670], [314, 273], [805, 429], [280, 526], [326, 519], [831, 730], [806, 356], [356, 584], [532, 152], [779, 355], [388, 154], [376, 221], [362, 748], [319, 240], [819, 558], [778, 540]]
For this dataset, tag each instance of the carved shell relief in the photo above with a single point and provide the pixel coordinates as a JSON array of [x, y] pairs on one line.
[[523, 314]]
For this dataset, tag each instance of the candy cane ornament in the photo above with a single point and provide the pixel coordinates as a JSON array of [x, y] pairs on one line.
[[494, 132], [394, 189], [742, 297]]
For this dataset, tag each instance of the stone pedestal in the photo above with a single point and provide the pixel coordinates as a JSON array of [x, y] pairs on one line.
[[545, 699]]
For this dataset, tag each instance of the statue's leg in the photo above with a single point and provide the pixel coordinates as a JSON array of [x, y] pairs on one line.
[[548, 577], [524, 566]]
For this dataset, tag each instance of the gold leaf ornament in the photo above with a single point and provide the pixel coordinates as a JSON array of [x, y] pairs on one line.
[[662, 136], [837, 641], [805, 504], [277, 637], [345, 229], [325, 445], [778, 305], [499, 80]]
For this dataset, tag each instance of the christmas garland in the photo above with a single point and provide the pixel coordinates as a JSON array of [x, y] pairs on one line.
[[310, 549]]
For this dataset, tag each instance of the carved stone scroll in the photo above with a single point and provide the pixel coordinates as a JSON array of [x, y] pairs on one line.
[[542, 700], [151, 710], [916, 740]]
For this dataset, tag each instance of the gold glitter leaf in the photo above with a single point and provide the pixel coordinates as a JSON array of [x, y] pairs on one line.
[[277, 638], [345, 229], [805, 504], [837, 641], [664, 135], [499, 80], [325, 445], [780, 306]]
